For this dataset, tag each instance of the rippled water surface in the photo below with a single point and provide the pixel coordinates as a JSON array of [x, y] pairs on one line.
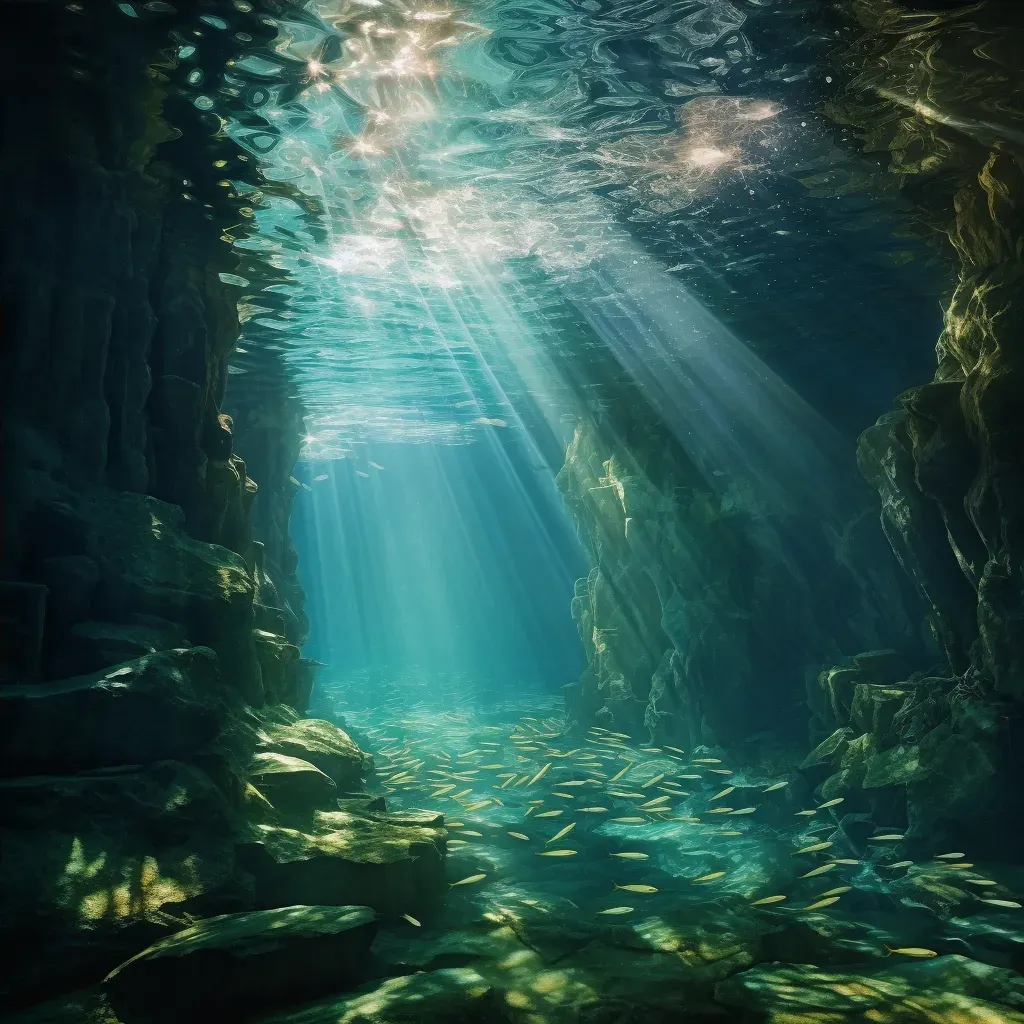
[[485, 194]]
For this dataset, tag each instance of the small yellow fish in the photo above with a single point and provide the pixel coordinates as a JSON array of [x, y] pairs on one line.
[[459, 796], [823, 903], [805, 814], [837, 891], [563, 832], [949, 856], [549, 814], [618, 775], [575, 782], [711, 877], [564, 796], [442, 791], [980, 881], [631, 856], [844, 860], [724, 792], [625, 796], [558, 853], [469, 832], [412, 920], [820, 870], [540, 775], [519, 835], [774, 787], [724, 832], [962, 866], [892, 837], [899, 864], [593, 810], [650, 750], [675, 750], [650, 782], [707, 760], [689, 776], [767, 900], [455, 824], [657, 801], [478, 805], [813, 849], [1009, 904], [469, 881], [630, 821], [918, 951], [721, 771], [744, 810], [457, 842], [635, 888], [720, 810], [617, 910], [831, 803]]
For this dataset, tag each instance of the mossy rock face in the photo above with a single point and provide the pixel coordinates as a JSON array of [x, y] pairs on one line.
[[162, 706], [829, 749], [93, 646], [321, 744], [394, 868], [146, 564], [455, 996], [292, 786], [236, 962], [948, 988], [897, 766], [97, 865]]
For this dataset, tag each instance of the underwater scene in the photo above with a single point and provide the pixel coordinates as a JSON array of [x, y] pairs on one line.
[[513, 511]]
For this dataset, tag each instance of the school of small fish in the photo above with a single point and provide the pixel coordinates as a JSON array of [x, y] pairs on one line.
[[537, 759]]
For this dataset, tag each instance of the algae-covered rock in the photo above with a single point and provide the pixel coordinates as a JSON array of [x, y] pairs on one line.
[[292, 785], [895, 767], [278, 661], [829, 749], [949, 988], [455, 996], [92, 646], [235, 963], [321, 744], [161, 706], [393, 868], [96, 865]]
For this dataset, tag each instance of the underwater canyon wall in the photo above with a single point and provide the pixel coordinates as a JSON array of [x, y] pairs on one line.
[[155, 770], [703, 618]]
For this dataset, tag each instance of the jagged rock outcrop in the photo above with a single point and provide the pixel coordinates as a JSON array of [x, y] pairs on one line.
[[151, 616], [948, 462], [235, 963], [702, 617]]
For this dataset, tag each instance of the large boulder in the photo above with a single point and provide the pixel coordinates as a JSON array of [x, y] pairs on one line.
[[293, 786], [321, 744], [948, 988], [225, 967], [160, 706], [92, 646], [96, 866], [455, 996], [394, 867]]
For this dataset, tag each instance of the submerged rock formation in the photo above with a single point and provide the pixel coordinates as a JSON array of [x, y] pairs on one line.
[[151, 687], [703, 617], [705, 611], [934, 747]]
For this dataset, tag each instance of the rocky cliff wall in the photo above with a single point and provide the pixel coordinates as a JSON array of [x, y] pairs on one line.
[[155, 770], [939, 95]]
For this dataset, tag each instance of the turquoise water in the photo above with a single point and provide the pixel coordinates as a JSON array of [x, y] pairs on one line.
[[495, 226]]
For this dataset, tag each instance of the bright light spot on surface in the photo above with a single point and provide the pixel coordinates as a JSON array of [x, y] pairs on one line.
[[708, 156]]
